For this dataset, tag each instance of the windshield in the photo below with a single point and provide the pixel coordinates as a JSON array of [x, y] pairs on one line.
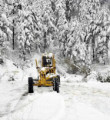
[[47, 62]]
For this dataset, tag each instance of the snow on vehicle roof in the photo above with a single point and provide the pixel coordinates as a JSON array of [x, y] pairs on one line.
[[48, 55]]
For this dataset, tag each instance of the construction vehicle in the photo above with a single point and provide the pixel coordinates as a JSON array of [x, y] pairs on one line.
[[47, 74]]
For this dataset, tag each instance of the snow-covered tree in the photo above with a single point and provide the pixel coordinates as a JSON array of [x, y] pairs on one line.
[[77, 29]]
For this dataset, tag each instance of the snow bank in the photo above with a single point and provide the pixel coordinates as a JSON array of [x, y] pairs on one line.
[[9, 71], [99, 73], [11, 84], [92, 77], [71, 78]]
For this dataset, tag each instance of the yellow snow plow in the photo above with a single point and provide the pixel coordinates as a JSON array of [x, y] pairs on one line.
[[47, 74]]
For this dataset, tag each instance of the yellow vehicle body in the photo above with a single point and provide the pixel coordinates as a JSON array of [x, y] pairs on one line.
[[48, 72]]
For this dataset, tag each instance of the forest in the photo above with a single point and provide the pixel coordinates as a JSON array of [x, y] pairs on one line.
[[78, 30]]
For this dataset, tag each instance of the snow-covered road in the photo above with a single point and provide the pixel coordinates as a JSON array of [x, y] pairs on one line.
[[76, 101], [46, 106]]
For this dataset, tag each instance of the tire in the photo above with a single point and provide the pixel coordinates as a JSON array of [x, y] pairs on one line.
[[56, 85], [30, 85], [58, 79]]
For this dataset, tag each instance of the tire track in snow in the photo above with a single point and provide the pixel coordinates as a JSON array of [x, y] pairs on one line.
[[46, 106]]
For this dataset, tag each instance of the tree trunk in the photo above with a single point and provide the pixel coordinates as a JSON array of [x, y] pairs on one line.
[[13, 35]]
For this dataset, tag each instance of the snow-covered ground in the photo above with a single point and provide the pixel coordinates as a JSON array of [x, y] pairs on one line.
[[76, 101], [84, 101]]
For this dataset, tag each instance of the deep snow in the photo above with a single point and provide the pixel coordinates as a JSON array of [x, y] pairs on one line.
[[76, 101]]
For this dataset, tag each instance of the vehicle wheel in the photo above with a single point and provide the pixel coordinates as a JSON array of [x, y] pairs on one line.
[[57, 86], [58, 79], [54, 84], [30, 85]]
